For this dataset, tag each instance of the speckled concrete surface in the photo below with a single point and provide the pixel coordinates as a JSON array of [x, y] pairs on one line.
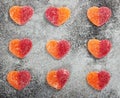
[[78, 30]]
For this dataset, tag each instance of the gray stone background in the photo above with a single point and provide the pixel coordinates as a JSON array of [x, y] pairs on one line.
[[78, 30]]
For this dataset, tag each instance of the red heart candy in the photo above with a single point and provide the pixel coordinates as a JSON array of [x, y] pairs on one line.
[[20, 48], [57, 79], [99, 49], [98, 80], [57, 16], [99, 16], [19, 79], [21, 14], [58, 49]]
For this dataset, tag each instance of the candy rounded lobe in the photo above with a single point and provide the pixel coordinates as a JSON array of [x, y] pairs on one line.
[[63, 76], [104, 14], [105, 47], [26, 14], [93, 47], [52, 80], [93, 80], [15, 14], [63, 15], [12, 78], [63, 48], [25, 47], [52, 48], [14, 47], [52, 15], [93, 15], [104, 78]]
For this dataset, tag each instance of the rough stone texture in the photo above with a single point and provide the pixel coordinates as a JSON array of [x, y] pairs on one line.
[[78, 30]]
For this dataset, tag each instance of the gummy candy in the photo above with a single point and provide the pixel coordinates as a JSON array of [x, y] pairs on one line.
[[98, 80], [20, 48], [19, 79], [57, 79], [58, 49], [57, 16], [21, 14], [99, 49], [99, 16]]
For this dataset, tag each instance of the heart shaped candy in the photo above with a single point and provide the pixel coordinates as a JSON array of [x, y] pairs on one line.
[[57, 79], [20, 48], [99, 49], [19, 79], [98, 80], [58, 49], [99, 16], [57, 16], [21, 14]]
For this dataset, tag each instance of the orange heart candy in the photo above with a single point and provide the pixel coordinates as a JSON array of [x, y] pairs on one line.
[[57, 79], [19, 79], [99, 49], [57, 16], [21, 14], [98, 80], [99, 16], [58, 49], [20, 48]]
